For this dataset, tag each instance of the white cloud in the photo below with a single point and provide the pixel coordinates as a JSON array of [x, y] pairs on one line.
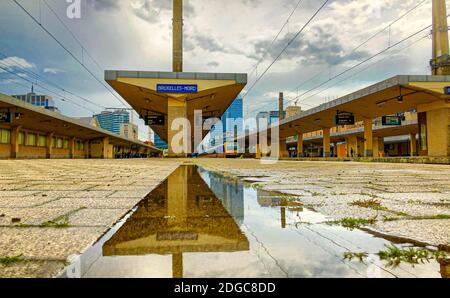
[[16, 62], [221, 36], [52, 70]]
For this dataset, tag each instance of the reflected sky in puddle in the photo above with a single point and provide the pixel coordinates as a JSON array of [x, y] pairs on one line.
[[200, 224]]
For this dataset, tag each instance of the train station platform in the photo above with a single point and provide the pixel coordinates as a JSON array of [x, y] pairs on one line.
[[425, 94]]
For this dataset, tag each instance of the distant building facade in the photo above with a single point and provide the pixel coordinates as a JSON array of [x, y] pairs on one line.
[[43, 101], [112, 120], [293, 111], [92, 121], [129, 131], [268, 117]]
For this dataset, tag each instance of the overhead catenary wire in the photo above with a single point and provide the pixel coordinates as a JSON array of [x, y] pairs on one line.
[[359, 64], [68, 51], [49, 82], [393, 22], [37, 87], [42, 87], [275, 38], [364, 69], [362, 62], [286, 47], [84, 50], [368, 40]]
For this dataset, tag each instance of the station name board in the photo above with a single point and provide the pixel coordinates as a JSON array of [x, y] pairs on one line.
[[176, 88], [447, 90], [155, 120], [5, 117], [392, 120], [344, 119]]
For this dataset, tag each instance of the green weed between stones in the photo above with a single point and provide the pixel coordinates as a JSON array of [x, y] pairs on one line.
[[352, 223], [395, 256], [361, 256], [7, 261]]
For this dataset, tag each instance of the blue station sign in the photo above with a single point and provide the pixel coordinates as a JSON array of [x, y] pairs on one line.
[[447, 90], [176, 88]]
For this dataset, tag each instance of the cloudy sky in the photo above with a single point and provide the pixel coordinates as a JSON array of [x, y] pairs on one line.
[[220, 36]]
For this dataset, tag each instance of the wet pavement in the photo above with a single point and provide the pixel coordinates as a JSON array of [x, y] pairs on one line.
[[201, 224], [53, 209]]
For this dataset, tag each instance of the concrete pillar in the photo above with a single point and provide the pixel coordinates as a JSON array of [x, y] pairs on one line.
[[283, 152], [376, 149], [177, 109], [49, 145], [381, 147], [438, 123], [87, 149], [413, 145], [335, 149], [326, 142], [177, 265], [368, 137], [283, 217], [352, 145], [300, 145], [105, 145], [258, 150], [177, 57], [72, 148], [15, 141], [177, 198]]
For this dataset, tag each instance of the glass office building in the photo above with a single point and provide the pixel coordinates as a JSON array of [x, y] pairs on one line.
[[112, 120], [234, 112], [232, 121], [268, 118], [160, 144]]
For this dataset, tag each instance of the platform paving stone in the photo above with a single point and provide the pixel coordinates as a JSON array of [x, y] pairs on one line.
[[89, 196], [406, 192], [92, 195]]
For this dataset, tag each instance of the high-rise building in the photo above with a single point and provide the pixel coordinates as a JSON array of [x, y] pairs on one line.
[[159, 143], [43, 101], [112, 120], [234, 113], [270, 117], [232, 122]]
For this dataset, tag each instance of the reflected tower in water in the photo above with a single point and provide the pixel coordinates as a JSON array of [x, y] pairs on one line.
[[183, 215], [229, 191]]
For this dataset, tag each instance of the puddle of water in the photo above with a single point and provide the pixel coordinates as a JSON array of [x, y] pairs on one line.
[[198, 224]]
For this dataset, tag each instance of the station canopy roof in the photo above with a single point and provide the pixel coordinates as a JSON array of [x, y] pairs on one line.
[[214, 93], [395, 95], [41, 120]]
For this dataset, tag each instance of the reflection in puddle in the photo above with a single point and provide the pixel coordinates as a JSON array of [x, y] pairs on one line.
[[181, 216], [200, 224]]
